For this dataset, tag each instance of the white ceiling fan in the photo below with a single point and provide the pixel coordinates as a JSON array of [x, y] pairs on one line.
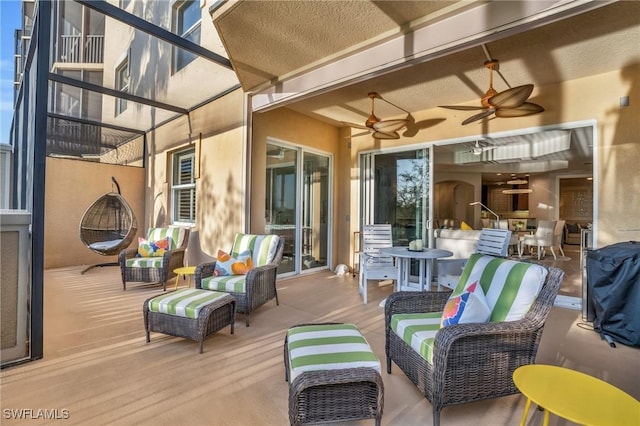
[[479, 150]]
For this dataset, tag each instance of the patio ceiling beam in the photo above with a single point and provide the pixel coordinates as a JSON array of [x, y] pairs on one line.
[[94, 123], [154, 30], [116, 93]]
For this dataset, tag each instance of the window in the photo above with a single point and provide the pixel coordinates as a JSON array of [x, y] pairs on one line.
[[183, 187], [124, 4], [122, 84], [187, 17]]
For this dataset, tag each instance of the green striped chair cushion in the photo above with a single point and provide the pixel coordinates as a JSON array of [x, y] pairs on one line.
[[175, 235], [229, 283], [262, 247], [418, 331], [185, 302], [328, 347], [144, 262], [510, 287]]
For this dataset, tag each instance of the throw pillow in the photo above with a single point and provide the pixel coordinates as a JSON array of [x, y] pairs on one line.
[[227, 265], [470, 306], [148, 248], [465, 227]]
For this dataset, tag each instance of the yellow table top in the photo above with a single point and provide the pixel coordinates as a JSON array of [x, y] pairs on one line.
[[185, 270], [577, 396]]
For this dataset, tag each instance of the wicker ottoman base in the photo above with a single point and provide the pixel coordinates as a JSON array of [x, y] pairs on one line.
[[211, 318], [332, 395]]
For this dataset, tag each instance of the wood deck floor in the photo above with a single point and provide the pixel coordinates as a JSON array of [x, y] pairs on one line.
[[98, 366]]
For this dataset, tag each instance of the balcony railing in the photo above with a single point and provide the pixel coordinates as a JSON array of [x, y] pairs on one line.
[[71, 50]]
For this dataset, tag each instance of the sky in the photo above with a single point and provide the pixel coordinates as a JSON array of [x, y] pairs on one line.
[[9, 22]]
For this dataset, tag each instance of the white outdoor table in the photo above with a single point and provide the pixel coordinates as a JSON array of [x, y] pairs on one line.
[[425, 259]]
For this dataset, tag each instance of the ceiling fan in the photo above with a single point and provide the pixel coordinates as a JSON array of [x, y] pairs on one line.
[[508, 103], [478, 149], [382, 129], [276, 152]]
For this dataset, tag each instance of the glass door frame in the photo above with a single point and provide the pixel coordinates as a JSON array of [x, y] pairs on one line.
[[367, 195], [299, 174]]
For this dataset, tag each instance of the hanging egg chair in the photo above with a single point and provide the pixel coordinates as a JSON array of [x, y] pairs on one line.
[[108, 225]]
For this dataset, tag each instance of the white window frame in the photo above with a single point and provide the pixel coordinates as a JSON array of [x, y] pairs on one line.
[[177, 187], [179, 7], [122, 70]]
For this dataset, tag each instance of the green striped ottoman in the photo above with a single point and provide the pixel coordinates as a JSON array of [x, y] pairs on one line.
[[333, 374], [190, 313]]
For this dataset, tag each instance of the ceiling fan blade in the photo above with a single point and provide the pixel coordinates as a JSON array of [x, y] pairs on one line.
[[511, 98], [479, 116], [385, 135], [357, 126], [357, 135], [527, 108], [461, 107], [390, 125]]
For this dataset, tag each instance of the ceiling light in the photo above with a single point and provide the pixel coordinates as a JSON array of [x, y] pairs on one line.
[[517, 182], [517, 191]]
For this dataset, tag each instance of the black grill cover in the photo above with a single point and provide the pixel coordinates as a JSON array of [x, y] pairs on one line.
[[613, 280]]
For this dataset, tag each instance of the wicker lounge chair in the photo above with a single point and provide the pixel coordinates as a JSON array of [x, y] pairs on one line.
[[472, 361], [158, 269], [255, 288]]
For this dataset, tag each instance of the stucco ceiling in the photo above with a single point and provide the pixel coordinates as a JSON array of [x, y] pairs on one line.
[[273, 43]]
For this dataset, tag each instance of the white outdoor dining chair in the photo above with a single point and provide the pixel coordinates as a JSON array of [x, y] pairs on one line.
[[493, 242], [373, 265], [544, 237]]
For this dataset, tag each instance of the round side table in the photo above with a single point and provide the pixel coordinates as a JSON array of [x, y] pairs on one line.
[[185, 271], [575, 396]]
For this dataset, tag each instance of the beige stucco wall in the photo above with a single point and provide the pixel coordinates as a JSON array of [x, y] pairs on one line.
[[71, 187], [217, 134]]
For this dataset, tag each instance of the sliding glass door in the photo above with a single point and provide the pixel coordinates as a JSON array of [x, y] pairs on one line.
[[395, 190], [298, 205]]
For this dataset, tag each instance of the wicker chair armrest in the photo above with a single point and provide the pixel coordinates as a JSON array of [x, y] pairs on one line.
[[482, 338], [169, 254], [259, 272], [127, 253], [407, 302], [203, 270]]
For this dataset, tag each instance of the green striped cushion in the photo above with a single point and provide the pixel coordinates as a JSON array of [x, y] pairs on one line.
[[262, 247], [418, 331], [328, 347], [229, 283], [144, 262], [510, 287], [174, 233], [185, 302]]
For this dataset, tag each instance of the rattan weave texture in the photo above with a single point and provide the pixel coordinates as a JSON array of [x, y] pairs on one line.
[[471, 362], [334, 395], [213, 317], [260, 283], [171, 260]]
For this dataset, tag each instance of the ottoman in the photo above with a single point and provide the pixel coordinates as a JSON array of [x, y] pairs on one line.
[[190, 313], [333, 374]]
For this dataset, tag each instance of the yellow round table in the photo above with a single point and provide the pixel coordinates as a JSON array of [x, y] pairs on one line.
[[185, 271], [575, 396]]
